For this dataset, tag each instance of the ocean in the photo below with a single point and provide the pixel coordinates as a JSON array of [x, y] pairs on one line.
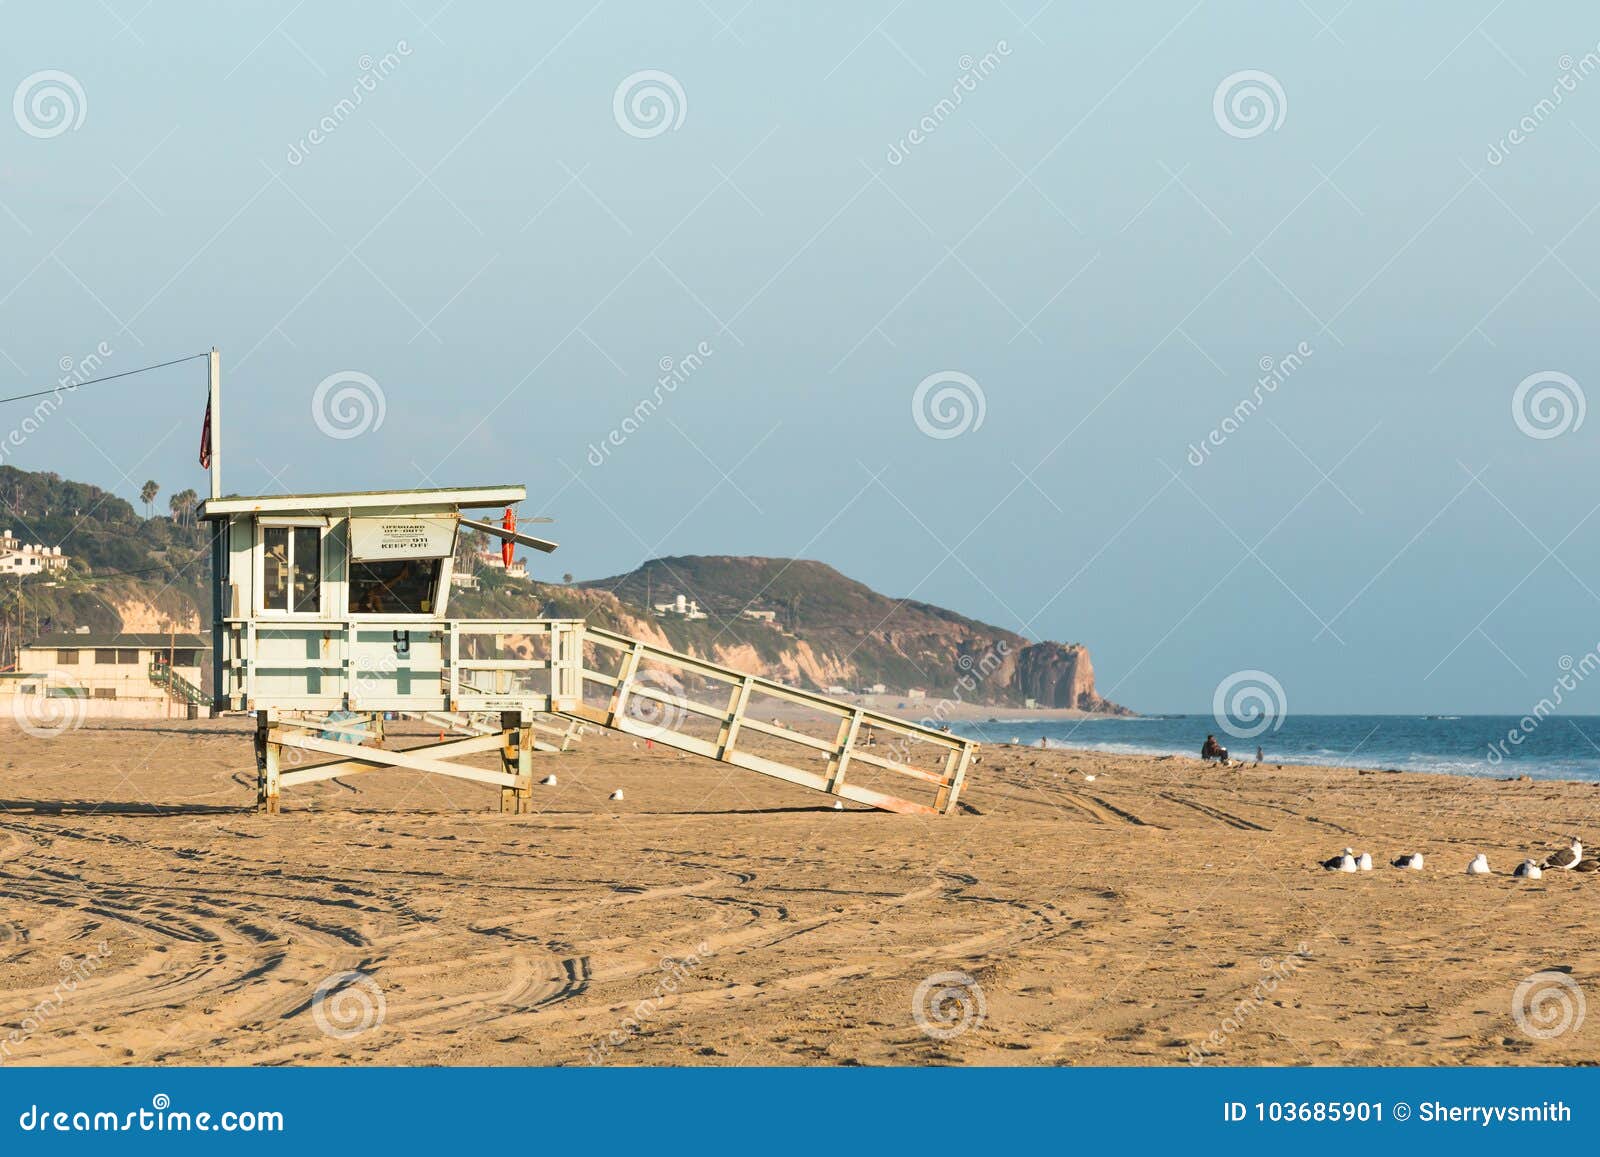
[[1556, 747]]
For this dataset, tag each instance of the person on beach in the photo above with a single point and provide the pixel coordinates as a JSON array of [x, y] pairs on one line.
[[1211, 749], [1260, 757]]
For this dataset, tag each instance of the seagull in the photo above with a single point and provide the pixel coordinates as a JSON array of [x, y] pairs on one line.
[[1528, 870], [1345, 861], [1567, 858], [549, 780], [1589, 865], [1412, 860], [617, 794], [838, 805], [1364, 861], [1479, 866]]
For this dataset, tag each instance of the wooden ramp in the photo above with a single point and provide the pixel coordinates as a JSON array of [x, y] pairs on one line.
[[748, 722]]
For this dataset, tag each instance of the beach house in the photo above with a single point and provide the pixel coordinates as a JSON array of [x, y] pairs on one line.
[[118, 676]]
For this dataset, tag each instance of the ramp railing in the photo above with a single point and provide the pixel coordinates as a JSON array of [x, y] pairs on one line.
[[696, 706]]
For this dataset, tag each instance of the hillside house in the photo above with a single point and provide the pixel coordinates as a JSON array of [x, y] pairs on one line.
[[20, 558], [682, 606], [491, 560]]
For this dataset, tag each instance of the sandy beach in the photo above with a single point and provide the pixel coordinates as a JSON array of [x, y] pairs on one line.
[[1164, 913]]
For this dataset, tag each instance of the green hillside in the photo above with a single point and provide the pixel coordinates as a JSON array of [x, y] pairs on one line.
[[117, 558]]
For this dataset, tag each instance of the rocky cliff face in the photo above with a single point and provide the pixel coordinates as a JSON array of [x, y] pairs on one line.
[[1060, 675], [828, 629]]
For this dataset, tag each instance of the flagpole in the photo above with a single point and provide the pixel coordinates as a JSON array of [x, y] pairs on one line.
[[215, 411]]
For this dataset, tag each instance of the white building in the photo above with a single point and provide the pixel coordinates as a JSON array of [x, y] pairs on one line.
[[683, 605], [20, 558], [760, 616], [121, 676], [492, 560]]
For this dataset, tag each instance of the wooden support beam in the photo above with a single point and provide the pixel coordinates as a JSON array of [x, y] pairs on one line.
[[516, 760], [619, 697], [950, 794], [848, 728], [450, 749], [414, 759], [269, 752], [738, 703], [301, 776]]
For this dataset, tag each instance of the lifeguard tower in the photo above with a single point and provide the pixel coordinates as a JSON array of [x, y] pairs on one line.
[[331, 610]]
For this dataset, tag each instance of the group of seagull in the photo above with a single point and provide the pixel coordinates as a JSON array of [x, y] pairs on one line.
[[1568, 859]]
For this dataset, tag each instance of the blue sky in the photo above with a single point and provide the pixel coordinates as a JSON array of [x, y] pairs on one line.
[[1102, 245]]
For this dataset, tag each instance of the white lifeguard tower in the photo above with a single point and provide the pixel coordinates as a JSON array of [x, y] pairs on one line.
[[330, 610]]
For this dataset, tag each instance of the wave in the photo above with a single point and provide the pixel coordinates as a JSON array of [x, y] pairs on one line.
[[1356, 743]]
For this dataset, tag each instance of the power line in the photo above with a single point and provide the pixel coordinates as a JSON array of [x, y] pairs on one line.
[[107, 378]]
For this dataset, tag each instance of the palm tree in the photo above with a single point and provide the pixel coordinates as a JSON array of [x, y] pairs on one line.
[[469, 548], [147, 495], [182, 505]]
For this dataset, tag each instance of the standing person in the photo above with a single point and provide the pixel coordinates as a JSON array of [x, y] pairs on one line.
[[1260, 758]]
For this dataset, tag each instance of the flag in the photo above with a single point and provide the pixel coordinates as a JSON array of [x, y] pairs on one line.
[[205, 439]]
